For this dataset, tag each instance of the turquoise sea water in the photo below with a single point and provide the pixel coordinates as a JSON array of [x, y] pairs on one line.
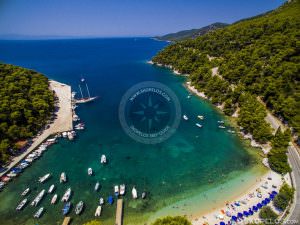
[[192, 163]]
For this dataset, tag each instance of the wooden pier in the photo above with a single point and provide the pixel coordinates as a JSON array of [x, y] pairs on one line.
[[66, 220], [119, 212]]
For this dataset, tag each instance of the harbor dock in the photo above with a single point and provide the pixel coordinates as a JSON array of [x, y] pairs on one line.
[[119, 212], [66, 220]]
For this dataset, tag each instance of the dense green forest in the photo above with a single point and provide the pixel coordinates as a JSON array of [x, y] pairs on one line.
[[259, 56], [26, 103], [249, 61]]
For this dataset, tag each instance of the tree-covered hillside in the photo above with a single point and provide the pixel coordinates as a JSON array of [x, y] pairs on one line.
[[258, 57], [25, 104]]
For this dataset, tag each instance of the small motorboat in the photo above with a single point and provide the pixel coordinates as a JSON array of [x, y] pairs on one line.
[[53, 200], [144, 195], [134, 193], [185, 117], [67, 195], [21, 204], [66, 208], [116, 190], [38, 213], [38, 198], [25, 192], [103, 159], [97, 185], [44, 178], [198, 125], [200, 117], [101, 201], [122, 189], [79, 207], [222, 127], [63, 177], [221, 121], [90, 171], [51, 188], [110, 200], [98, 211]]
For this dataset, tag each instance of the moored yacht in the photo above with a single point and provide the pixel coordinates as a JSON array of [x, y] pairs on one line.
[[63, 177], [200, 117], [66, 208], [51, 188], [44, 178], [22, 204], [222, 127], [79, 207], [39, 213], [116, 190], [198, 125], [67, 195], [122, 189], [134, 193], [53, 200], [103, 159], [25, 192], [97, 185], [38, 198], [98, 211], [101, 201], [90, 171], [185, 117]]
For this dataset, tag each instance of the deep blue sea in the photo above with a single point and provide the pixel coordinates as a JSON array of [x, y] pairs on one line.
[[192, 162]]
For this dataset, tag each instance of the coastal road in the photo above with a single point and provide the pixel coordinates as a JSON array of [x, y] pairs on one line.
[[294, 158]]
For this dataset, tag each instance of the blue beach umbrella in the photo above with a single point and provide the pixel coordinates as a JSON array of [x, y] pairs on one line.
[[255, 208], [234, 218], [245, 213], [240, 215], [274, 193], [259, 206], [222, 223], [267, 200], [263, 203], [251, 212], [272, 196], [110, 200]]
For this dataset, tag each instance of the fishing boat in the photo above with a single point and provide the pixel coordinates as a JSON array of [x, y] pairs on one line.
[[51, 188], [110, 200], [67, 195], [90, 171], [222, 127], [38, 213], [101, 201], [85, 99], [63, 177], [66, 208], [198, 125], [21, 204], [38, 198], [98, 211], [79, 207], [53, 200], [134, 193], [25, 192], [185, 117], [97, 185], [103, 159], [200, 117], [122, 189], [116, 190], [44, 178]]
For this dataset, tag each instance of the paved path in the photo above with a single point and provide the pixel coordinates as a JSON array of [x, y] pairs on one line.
[[63, 122], [294, 159]]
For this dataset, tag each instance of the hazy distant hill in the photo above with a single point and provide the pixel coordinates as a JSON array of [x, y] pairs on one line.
[[193, 33]]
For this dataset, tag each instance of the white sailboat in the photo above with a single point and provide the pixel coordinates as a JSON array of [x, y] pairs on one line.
[[85, 99]]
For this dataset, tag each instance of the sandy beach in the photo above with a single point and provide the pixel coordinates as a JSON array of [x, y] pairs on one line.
[[63, 121]]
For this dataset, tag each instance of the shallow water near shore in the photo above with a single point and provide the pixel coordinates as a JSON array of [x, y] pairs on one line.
[[182, 174]]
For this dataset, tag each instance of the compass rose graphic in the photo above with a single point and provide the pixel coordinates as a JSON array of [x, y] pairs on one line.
[[149, 112]]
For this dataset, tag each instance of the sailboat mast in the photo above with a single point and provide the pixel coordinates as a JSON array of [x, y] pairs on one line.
[[80, 91], [87, 90]]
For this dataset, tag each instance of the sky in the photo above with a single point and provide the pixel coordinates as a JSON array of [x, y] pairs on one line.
[[121, 18]]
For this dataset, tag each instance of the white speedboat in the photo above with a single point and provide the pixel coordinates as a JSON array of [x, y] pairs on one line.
[[39, 213], [231, 131], [198, 125], [53, 200], [101, 201], [51, 188], [21, 204], [221, 121], [200, 117], [44, 178], [79, 207], [90, 171], [122, 189], [144, 195], [222, 127], [116, 190], [38, 198], [103, 159], [185, 117], [97, 185], [25, 192], [63, 177], [134, 193], [67, 195], [98, 211]]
